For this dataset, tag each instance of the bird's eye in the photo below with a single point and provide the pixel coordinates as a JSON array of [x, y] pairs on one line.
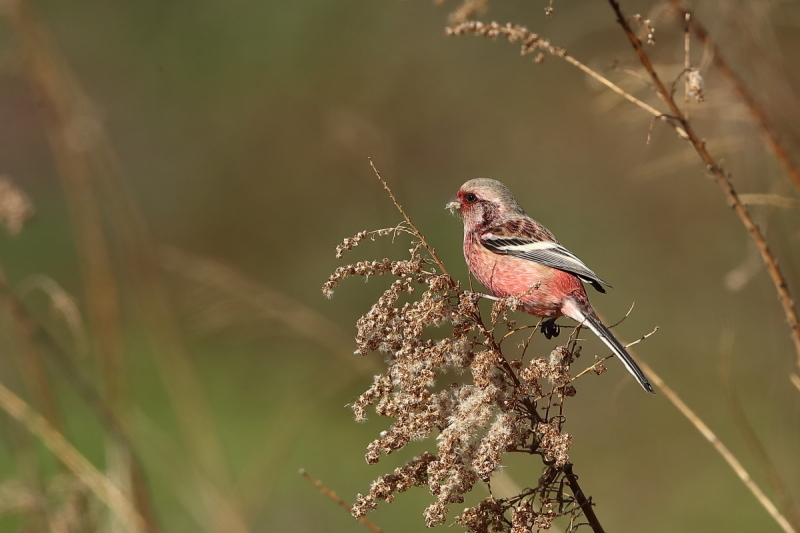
[[469, 197]]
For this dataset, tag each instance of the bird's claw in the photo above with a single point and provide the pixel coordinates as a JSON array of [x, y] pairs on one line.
[[550, 329]]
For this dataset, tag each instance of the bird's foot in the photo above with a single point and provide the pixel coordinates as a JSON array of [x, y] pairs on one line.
[[550, 329]]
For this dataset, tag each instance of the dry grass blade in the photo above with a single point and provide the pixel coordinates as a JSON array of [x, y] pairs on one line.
[[779, 488], [723, 450], [72, 126], [88, 165], [254, 297], [340, 502], [795, 379], [100, 485], [29, 360], [769, 199]]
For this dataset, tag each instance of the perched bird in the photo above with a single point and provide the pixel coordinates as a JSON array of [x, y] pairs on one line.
[[513, 255]]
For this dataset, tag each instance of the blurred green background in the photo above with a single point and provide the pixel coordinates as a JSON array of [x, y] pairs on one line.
[[243, 130]]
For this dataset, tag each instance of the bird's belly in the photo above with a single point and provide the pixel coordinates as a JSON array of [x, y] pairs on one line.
[[541, 288]]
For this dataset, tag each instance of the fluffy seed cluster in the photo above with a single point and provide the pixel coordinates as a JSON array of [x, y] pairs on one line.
[[696, 85], [15, 207], [426, 327]]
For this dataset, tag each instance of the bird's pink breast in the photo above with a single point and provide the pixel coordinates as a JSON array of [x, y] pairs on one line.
[[544, 289]]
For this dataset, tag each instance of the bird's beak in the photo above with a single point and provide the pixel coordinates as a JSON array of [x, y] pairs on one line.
[[453, 205]]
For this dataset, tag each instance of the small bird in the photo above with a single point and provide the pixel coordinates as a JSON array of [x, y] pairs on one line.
[[513, 255]]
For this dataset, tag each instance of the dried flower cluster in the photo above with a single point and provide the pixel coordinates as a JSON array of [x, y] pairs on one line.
[[696, 85], [498, 406], [493, 30], [647, 26]]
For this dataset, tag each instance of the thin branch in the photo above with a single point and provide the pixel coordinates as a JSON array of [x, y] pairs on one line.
[[340, 502], [760, 118], [599, 362], [723, 180], [417, 233], [532, 41], [584, 502], [687, 64]]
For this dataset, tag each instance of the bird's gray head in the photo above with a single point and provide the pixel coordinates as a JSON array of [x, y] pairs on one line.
[[483, 201]]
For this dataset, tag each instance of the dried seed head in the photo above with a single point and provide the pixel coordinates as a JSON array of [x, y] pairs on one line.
[[647, 27], [554, 443], [15, 207], [696, 85], [522, 517], [491, 412], [506, 433]]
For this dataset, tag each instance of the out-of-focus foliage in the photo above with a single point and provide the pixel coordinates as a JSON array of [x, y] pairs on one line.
[[243, 130]]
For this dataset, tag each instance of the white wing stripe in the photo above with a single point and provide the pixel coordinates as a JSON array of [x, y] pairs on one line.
[[547, 253], [556, 250], [530, 246]]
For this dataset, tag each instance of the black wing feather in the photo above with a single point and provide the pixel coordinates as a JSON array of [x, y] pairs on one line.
[[557, 257]]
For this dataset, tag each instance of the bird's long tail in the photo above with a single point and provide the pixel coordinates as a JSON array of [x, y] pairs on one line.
[[597, 327]]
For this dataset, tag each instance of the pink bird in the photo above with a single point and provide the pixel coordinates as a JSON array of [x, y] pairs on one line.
[[513, 255]]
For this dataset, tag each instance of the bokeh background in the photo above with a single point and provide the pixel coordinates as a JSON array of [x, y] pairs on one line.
[[237, 133]]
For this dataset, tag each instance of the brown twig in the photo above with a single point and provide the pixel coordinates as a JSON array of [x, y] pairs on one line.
[[532, 41], [760, 118], [340, 502], [687, 63], [411, 225], [584, 502], [723, 180]]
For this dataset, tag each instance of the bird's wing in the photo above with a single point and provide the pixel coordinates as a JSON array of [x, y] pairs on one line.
[[531, 241]]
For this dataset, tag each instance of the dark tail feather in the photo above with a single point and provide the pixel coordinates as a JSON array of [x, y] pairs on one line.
[[597, 327]]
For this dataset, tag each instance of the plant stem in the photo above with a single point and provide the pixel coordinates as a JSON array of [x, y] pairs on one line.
[[584, 502]]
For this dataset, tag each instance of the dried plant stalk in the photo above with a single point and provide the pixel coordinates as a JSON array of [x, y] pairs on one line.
[[88, 167], [489, 410], [100, 485], [723, 180], [721, 448], [531, 41], [677, 119], [341, 503], [758, 114]]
